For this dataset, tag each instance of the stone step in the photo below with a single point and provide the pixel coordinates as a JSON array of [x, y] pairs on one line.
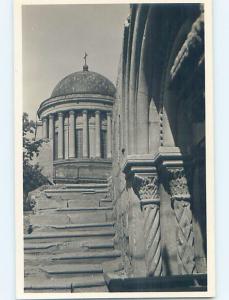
[[106, 203], [81, 214], [106, 200], [79, 271], [66, 236], [67, 269], [54, 247], [75, 193], [52, 203], [82, 268], [42, 260], [85, 185], [77, 190], [71, 227], [63, 285], [76, 209], [83, 255], [71, 217], [94, 289]]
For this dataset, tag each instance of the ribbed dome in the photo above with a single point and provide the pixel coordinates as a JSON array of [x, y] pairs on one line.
[[84, 82]]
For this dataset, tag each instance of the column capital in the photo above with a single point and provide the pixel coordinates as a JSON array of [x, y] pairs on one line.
[[178, 183], [51, 116], [146, 187], [60, 114], [44, 119], [84, 112], [97, 112], [72, 112], [109, 113]]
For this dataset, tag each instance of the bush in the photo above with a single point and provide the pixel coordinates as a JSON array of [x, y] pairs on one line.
[[32, 176]]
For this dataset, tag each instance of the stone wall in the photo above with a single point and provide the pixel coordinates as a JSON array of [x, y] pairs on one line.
[[84, 170], [45, 159]]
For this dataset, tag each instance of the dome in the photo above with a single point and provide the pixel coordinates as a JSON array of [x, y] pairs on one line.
[[84, 82]]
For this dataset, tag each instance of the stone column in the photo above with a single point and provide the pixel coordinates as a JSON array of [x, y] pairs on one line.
[[97, 135], [45, 128], [60, 135], [72, 139], [51, 132], [109, 147], [181, 204], [142, 101], [51, 127], [66, 137], [85, 134], [145, 186], [136, 41]]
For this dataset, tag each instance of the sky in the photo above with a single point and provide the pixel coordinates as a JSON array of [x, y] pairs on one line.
[[55, 38]]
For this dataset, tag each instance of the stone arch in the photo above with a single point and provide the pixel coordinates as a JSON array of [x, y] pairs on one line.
[[183, 120], [172, 99]]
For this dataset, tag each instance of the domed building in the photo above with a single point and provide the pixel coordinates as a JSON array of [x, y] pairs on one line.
[[77, 121]]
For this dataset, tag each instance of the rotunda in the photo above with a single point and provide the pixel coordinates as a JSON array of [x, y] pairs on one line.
[[77, 121]]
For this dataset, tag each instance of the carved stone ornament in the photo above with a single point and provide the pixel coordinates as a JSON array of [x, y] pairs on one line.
[[180, 197], [146, 187], [194, 39], [178, 184]]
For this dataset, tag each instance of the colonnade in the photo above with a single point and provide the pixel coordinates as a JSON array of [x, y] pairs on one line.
[[49, 129]]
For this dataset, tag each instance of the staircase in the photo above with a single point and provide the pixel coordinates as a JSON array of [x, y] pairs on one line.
[[69, 245]]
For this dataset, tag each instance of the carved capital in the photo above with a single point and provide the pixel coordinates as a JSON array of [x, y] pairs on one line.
[[51, 117], [178, 183], [60, 114], [72, 113], [146, 187]]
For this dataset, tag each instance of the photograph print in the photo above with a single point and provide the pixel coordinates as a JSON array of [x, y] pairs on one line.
[[116, 195]]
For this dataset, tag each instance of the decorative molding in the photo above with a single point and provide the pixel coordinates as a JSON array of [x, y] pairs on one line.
[[194, 40]]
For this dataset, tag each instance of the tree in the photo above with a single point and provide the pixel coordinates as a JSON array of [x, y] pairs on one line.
[[32, 176]]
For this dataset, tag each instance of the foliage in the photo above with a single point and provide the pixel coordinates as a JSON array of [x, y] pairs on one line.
[[32, 176]]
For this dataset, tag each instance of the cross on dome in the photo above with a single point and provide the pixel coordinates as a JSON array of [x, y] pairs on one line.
[[85, 67]]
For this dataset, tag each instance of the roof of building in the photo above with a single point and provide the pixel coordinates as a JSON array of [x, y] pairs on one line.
[[84, 82]]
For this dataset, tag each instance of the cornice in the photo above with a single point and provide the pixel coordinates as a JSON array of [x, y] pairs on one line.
[[74, 98]]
